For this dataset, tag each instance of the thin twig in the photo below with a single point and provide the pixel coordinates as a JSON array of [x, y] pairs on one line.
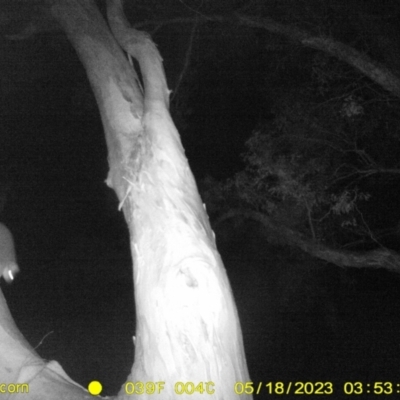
[[44, 337]]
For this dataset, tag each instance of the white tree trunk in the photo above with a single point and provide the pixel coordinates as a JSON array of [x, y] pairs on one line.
[[187, 323]]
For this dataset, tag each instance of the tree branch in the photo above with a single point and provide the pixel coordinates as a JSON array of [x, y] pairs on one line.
[[187, 60], [370, 68], [364, 64], [378, 258]]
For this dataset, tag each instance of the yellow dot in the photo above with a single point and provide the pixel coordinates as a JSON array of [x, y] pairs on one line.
[[95, 388]]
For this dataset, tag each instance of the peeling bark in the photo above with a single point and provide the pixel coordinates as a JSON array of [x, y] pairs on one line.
[[187, 323]]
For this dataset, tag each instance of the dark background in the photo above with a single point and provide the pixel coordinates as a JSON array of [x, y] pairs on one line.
[[302, 320]]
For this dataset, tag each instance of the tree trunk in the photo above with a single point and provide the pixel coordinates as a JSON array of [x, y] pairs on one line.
[[188, 332]]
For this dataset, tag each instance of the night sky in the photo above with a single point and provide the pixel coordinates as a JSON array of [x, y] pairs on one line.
[[73, 245]]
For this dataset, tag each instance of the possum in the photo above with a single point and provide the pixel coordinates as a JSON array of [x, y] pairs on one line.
[[8, 262]]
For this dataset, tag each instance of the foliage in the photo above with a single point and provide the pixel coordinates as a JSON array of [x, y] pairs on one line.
[[308, 167]]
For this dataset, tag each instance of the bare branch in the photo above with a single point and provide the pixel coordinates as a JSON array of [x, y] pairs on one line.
[[374, 70], [368, 67], [187, 60], [379, 258]]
